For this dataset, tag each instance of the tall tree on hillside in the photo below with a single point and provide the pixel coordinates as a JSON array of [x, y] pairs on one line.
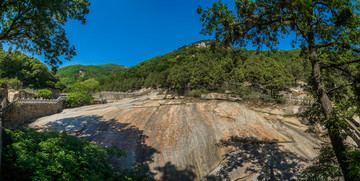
[[37, 26], [328, 32]]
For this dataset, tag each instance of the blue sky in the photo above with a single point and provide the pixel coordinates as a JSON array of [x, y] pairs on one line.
[[129, 32]]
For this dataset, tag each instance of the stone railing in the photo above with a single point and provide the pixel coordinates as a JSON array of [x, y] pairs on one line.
[[41, 101]]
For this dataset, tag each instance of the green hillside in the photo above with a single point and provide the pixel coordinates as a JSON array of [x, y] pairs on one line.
[[72, 73], [199, 67]]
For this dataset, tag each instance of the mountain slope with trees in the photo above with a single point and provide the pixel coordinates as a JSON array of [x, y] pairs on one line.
[[199, 68], [73, 73]]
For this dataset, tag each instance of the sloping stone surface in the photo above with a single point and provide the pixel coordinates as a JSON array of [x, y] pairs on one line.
[[192, 139]]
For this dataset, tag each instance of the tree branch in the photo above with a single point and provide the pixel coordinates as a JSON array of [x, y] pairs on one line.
[[14, 22], [324, 45], [326, 5], [340, 86], [342, 45], [340, 64]]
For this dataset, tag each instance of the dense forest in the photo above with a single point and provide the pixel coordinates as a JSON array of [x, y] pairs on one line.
[[73, 73], [20, 70], [199, 67]]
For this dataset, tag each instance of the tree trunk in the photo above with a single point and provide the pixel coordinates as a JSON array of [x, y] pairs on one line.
[[333, 130]]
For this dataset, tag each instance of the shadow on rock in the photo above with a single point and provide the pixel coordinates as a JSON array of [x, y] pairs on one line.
[[108, 133], [169, 172], [125, 136], [264, 159]]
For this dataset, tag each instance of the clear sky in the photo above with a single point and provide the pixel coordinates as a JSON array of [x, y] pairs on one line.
[[129, 32]]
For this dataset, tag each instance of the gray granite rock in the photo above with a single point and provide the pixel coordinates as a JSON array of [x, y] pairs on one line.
[[191, 139]]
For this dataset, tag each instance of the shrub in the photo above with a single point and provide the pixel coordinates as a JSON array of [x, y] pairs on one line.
[[78, 99], [60, 85], [281, 99], [10, 83], [31, 155], [44, 93], [3, 82], [88, 86], [196, 92], [248, 92]]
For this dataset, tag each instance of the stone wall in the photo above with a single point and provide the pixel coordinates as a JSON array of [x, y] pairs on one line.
[[24, 110], [112, 95]]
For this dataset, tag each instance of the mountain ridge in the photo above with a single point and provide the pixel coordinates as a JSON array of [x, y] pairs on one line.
[[73, 73]]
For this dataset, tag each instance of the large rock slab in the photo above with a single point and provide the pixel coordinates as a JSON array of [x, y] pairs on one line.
[[191, 139]]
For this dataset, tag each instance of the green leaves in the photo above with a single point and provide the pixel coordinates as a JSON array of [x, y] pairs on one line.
[[31, 72], [192, 68], [34, 155], [77, 99], [71, 74], [81, 93], [38, 26], [324, 167], [44, 93]]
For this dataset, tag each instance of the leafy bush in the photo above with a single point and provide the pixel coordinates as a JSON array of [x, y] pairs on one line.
[[196, 92], [281, 99], [3, 82], [248, 92], [88, 86], [31, 155], [77, 99], [44, 93], [60, 85], [13, 83], [326, 167], [10, 83]]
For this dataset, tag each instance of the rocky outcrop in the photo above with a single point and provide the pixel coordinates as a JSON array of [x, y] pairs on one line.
[[214, 96], [116, 96], [192, 139], [218, 96], [14, 95]]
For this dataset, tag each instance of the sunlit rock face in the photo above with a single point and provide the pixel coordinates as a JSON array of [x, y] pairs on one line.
[[192, 139]]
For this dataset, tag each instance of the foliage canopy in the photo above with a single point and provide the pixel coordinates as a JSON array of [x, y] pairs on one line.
[[328, 34], [30, 71], [34, 155], [38, 26], [192, 67], [71, 74]]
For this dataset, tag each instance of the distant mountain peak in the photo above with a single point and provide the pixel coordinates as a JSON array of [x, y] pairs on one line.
[[202, 43]]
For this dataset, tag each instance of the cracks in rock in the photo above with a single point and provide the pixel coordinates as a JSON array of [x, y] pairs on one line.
[[216, 112], [148, 122]]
